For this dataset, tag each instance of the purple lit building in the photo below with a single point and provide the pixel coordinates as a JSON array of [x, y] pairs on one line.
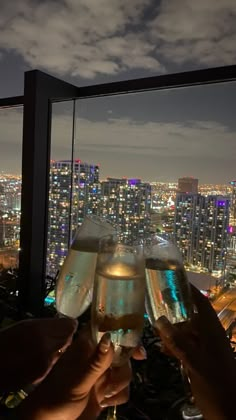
[[233, 203], [201, 229]]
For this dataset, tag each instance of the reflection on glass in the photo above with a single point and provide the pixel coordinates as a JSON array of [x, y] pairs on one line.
[[168, 290], [60, 190], [168, 294], [11, 122], [75, 281], [118, 298], [121, 158]]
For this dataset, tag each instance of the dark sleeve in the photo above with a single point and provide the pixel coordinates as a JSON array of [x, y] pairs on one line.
[[8, 413]]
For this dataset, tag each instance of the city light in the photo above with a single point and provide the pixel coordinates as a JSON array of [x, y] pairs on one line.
[[201, 219]]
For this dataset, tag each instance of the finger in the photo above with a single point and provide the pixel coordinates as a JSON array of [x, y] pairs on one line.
[[204, 308], [121, 398], [68, 385], [51, 327], [60, 326], [140, 353], [52, 359], [118, 379], [164, 349], [58, 332], [175, 342], [98, 364], [54, 345]]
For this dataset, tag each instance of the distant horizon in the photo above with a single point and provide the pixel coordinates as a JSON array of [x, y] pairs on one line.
[[11, 174]]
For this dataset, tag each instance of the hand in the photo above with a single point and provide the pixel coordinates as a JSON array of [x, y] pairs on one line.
[[30, 348], [204, 349], [112, 388], [65, 392], [79, 382]]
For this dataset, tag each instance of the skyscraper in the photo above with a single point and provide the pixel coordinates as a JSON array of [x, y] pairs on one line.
[[233, 204], [127, 202], [74, 192], [188, 185], [200, 229]]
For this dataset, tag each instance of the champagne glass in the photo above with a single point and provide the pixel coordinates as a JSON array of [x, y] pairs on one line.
[[75, 281], [168, 294], [119, 298]]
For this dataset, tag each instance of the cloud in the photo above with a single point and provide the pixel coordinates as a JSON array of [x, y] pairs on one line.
[[198, 139], [189, 138], [132, 147], [11, 123], [78, 37], [202, 32], [87, 38]]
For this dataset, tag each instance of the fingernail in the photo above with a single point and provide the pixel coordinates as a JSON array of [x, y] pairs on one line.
[[160, 322], [105, 343], [103, 404]]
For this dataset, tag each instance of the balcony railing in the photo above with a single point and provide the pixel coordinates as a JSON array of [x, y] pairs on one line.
[[47, 137]]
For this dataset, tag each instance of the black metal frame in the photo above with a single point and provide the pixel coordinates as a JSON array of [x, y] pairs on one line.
[[170, 81], [39, 88], [11, 102], [40, 91]]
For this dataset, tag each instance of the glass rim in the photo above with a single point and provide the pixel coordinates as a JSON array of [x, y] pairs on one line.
[[164, 248], [113, 236], [97, 220]]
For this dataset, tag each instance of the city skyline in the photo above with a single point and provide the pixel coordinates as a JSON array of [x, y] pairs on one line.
[[199, 218], [228, 184]]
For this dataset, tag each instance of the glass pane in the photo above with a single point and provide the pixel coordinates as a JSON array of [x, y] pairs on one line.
[[11, 126], [129, 153], [59, 220], [160, 137]]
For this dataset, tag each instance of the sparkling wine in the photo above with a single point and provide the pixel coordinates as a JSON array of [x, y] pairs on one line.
[[118, 307], [75, 281], [168, 290]]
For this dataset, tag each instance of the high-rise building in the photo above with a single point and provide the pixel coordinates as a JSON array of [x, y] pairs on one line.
[[74, 193], [188, 185], [233, 204], [127, 202], [200, 229], [10, 194]]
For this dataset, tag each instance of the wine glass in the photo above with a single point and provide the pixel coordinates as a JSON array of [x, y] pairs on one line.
[[75, 281], [119, 297], [168, 294]]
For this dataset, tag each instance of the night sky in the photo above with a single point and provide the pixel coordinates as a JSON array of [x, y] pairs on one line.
[[158, 136]]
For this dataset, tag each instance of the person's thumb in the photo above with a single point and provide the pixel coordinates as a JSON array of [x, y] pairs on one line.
[[174, 341], [97, 364]]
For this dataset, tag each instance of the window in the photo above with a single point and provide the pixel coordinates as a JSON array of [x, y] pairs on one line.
[[11, 123]]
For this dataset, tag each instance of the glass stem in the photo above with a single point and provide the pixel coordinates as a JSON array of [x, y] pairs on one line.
[[112, 413], [186, 382]]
